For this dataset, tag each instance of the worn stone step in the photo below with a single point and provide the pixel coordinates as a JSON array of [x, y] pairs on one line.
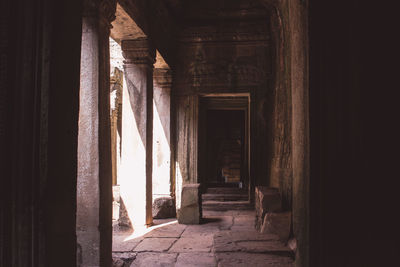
[[226, 190], [211, 205], [225, 197]]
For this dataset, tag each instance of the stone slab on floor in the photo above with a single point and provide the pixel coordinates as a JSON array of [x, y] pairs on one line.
[[244, 221], [173, 230], [196, 260], [123, 259], [152, 259], [155, 244], [200, 230], [228, 213], [252, 242], [198, 244], [240, 259], [122, 243], [222, 222], [242, 228]]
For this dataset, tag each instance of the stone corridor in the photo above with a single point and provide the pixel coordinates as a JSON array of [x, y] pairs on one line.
[[225, 238]]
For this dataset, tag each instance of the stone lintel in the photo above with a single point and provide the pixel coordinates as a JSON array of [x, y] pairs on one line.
[[138, 52]]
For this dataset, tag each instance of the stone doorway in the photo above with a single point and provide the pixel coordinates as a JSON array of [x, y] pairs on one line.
[[223, 152], [224, 145], [223, 141]]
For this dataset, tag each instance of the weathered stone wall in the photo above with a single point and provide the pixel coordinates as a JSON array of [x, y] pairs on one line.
[[279, 135], [40, 44], [292, 168], [290, 154]]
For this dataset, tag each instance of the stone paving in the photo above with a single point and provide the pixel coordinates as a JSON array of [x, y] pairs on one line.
[[224, 239]]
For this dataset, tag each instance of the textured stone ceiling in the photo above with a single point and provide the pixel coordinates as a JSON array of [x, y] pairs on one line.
[[194, 11]]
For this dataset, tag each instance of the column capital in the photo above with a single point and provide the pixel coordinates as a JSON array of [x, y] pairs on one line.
[[138, 51], [101, 9], [163, 77]]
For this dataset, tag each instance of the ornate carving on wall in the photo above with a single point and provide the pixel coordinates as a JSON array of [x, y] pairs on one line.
[[229, 70], [225, 71], [228, 32]]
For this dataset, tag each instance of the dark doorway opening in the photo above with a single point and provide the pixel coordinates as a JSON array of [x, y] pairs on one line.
[[224, 141], [224, 155]]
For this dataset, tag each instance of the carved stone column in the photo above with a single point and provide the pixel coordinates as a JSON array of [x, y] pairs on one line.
[[162, 186], [137, 131], [94, 189]]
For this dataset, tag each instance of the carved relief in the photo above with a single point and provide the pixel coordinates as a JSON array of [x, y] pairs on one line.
[[226, 33], [225, 54], [221, 68]]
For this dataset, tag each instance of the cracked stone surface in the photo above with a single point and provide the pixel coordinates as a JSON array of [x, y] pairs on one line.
[[227, 238], [196, 243], [239, 259], [150, 259], [122, 243], [122, 259], [195, 260], [200, 230], [174, 230], [155, 244]]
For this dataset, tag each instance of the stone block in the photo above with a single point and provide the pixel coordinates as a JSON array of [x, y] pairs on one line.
[[164, 207], [155, 244], [173, 231], [190, 244], [278, 223], [195, 260], [154, 259], [124, 221], [240, 259], [250, 241], [190, 211], [267, 200]]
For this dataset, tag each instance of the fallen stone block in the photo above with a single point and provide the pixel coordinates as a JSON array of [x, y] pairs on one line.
[[123, 221], [163, 208], [190, 211], [123, 259], [277, 223]]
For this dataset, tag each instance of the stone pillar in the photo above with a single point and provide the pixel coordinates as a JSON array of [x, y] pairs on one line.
[[94, 195], [187, 189], [115, 116], [137, 131], [161, 133], [185, 141]]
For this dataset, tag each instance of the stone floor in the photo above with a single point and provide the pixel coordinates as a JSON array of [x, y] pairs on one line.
[[224, 239]]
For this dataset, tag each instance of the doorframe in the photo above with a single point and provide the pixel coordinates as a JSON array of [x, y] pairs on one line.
[[202, 127]]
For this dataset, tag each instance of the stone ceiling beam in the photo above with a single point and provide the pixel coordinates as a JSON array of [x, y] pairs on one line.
[[154, 20]]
